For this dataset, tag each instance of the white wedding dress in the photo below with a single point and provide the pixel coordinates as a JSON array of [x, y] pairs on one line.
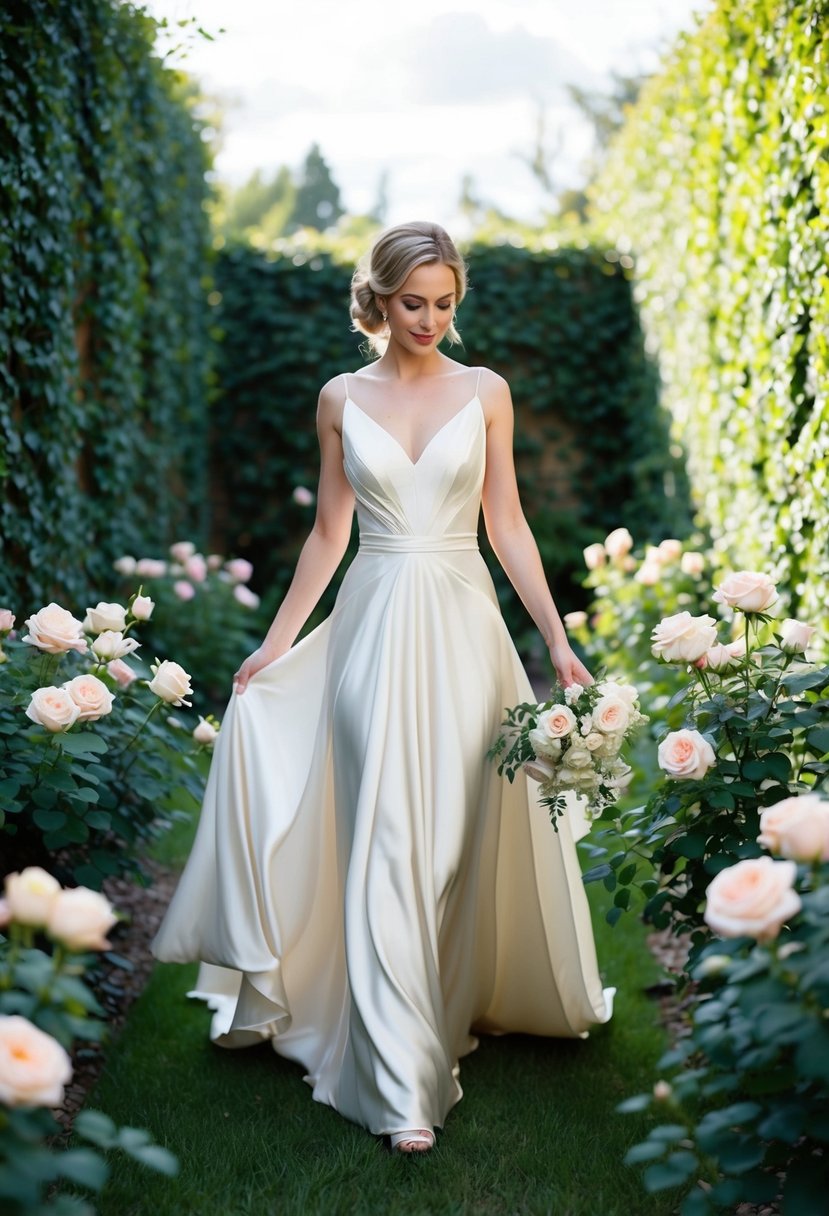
[[364, 890]]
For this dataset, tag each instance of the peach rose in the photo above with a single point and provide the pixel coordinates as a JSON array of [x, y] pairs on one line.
[[6, 620], [121, 671], [685, 755], [753, 897], [181, 550], [53, 708], [617, 543], [683, 638], [91, 696], [246, 597], [184, 590], [170, 682], [748, 590], [611, 714], [150, 567], [795, 635], [142, 607], [30, 894], [797, 828], [594, 556], [205, 733], [692, 563], [80, 918], [55, 630], [106, 616], [557, 722], [196, 568], [111, 644], [34, 1067], [239, 569]]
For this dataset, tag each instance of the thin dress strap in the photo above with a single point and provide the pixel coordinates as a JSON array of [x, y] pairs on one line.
[[478, 382], [345, 383]]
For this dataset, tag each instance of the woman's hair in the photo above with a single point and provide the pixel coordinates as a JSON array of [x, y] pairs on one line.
[[389, 262]]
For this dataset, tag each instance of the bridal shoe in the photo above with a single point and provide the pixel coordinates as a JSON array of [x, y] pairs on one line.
[[421, 1140]]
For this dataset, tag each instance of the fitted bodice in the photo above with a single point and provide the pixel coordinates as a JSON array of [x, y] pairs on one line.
[[437, 495]]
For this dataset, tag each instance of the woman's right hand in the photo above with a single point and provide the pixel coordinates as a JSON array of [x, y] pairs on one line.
[[253, 663]]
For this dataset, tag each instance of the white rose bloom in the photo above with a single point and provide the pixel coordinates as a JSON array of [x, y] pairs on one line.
[[170, 682], [618, 543], [125, 565], [626, 692], [111, 644], [594, 556], [106, 616], [34, 1067], [575, 620], [142, 607], [669, 550], [54, 630], [91, 696], [795, 635], [557, 722], [721, 658], [748, 590], [542, 744], [572, 693], [52, 708], [205, 732], [181, 550], [692, 563], [579, 757], [611, 715], [683, 638], [594, 741], [30, 894]]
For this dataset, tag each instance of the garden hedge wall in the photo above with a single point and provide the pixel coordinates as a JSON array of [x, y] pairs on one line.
[[103, 313], [559, 323], [719, 184]]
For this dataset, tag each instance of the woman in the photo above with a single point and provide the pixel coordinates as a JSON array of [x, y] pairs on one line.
[[364, 889]]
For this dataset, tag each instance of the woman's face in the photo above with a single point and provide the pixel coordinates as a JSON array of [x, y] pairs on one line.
[[420, 312]]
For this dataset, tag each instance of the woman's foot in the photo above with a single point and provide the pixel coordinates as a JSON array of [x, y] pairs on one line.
[[417, 1140]]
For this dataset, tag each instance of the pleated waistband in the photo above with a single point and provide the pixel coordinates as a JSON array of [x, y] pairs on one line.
[[386, 542]]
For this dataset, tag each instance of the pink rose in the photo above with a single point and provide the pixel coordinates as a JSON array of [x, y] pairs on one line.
[[183, 589], [125, 565], [92, 697], [33, 1066], [181, 550], [55, 630], [239, 569], [685, 755], [753, 897], [150, 567], [795, 635], [594, 556], [683, 638], [52, 708], [121, 671], [245, 596], [556, 722], [797, 828], [617, 543], [196, 568], [302, 497], [611, 714], [6, 620], [748, 590]]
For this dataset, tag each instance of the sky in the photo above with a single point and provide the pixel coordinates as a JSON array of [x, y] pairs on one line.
[[423, 90]]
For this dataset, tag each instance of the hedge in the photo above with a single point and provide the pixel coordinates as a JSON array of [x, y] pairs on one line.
[[719, 185], [103, 314], [591, 440]]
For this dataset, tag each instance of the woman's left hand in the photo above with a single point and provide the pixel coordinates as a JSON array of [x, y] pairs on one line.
[[569, 667]]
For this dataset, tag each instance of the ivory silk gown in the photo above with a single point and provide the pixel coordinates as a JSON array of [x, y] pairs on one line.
[[364, 889]]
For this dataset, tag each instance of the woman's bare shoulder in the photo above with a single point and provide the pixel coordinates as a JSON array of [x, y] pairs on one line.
[[494, 392]]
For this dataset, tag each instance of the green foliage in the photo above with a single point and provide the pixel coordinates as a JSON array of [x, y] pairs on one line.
[[46, 988], [751, 1095], [558, 323], [103, 239], [719, 183], [87, 800]]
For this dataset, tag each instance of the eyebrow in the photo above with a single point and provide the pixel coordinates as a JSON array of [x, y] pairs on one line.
[[414, 296]]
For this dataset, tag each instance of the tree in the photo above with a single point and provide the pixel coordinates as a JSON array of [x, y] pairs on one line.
[[317, 204]]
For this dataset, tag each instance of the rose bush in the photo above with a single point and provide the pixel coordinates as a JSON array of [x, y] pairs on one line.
[[90, 770], [44, 1008]]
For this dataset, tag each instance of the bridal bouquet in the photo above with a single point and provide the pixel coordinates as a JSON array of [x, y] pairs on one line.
[[572, 743]]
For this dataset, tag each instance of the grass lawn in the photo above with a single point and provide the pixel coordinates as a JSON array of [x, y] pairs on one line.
[[536, 1131]]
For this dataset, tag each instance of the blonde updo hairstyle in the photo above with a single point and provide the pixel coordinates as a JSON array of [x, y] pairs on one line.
[[389, 262]]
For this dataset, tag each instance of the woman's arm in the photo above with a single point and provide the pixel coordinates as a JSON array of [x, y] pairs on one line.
[[511, 538], [323, 550]]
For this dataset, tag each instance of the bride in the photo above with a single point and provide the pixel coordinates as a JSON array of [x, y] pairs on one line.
[[364, 891]]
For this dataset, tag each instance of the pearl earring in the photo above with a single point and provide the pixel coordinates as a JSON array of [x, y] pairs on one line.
[[385, 317]]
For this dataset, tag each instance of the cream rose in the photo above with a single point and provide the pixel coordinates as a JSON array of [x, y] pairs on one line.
[[246, 597], [111, 644], [557, 722], [578, 757], [594, 556], [572, 693], [539, 770], [692, 563], [748, 590], [106, 616], [594, 741], [80, 918], [34, 1067], [53, 708], [205, 733], [648, 574], [795, 635], [6, 620], [150, 567], [542, 744], [669, 550], [184, 590], [575, 620], [121, 671], [92, 697], [617, 543], [753, 897], [611, 714], [181, 550], [683, 638], [685, 755], [625, 692], [55, 630], [797, 828], [239, 569], [170, 682], [30, 894], [720, 658], [125, 565], [142, 607]]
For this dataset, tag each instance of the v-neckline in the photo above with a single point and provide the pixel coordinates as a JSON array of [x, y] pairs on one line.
[[414, 463]]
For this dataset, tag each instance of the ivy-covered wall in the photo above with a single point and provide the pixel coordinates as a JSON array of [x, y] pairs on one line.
[[103, 313], [591, 441], [719, 184]]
